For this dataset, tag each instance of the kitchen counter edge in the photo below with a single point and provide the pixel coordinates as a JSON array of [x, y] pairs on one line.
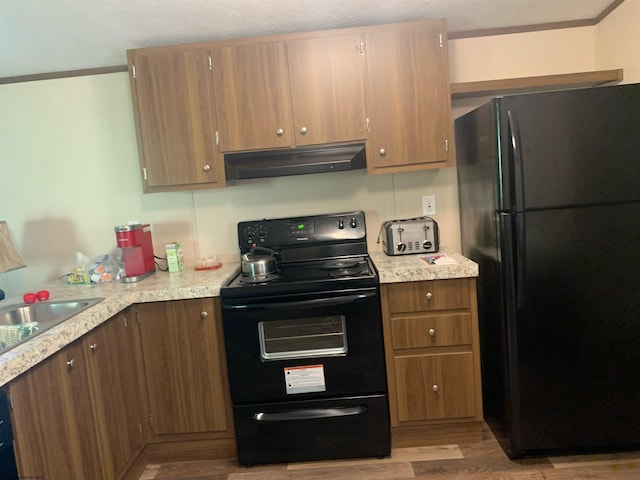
[[163, 286]]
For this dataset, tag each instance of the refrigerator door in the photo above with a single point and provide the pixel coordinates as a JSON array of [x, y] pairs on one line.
[[568, 148], [573, 335]]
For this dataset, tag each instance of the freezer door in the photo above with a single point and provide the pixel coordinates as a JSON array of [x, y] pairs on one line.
[[573, 350], [578, 147]]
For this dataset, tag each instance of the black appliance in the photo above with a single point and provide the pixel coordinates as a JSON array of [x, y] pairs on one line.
[[8, 468], [550, 210], [304, 343]]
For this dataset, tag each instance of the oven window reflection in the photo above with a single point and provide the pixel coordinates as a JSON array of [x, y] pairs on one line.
[[303, 337]]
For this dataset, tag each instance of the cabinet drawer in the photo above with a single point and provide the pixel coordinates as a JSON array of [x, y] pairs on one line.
[[431, 331], [430, 387], [428, 295]]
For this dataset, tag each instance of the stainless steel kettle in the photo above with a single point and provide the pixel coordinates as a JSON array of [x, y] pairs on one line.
[[258, 261]]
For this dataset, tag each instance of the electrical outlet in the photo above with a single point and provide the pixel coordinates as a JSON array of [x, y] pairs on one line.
[[429, 205]]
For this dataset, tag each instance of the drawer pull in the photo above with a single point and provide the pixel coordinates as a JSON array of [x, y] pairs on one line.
[[435, 388], [429, 295], [432, 332], [70, 363], [203, 315]]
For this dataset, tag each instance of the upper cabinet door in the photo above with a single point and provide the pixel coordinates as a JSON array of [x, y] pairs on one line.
[[408, 97], [252, 91], [175, 118], [327, 89]]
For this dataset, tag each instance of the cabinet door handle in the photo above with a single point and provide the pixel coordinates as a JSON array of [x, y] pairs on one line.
[[382, 152], [429, 295], [435, 388], [206, 168], [93, 346], [432, 332], [203, 315], [280, 132], [303, 130], [70, 363]]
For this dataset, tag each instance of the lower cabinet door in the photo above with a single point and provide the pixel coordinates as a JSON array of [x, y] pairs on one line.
[[53, 422], [435, 386]]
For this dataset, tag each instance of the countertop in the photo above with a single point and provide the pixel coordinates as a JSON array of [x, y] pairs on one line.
[[163, 286]]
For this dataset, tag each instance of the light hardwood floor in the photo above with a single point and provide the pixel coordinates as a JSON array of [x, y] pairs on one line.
[[479, 461]]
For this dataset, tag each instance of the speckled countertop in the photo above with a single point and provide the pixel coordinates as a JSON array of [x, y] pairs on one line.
[[163, 286]]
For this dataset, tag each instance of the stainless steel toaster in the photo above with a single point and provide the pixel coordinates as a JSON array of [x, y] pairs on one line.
[[412, 235]]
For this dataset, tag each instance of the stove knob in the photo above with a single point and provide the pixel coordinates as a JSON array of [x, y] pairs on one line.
[[353, 222], [340, 223]]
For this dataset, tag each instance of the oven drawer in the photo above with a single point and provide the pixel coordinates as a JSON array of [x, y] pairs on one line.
[[428, 295], [431, 331], [346, 427]]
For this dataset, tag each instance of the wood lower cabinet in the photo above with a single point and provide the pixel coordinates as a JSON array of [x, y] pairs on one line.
[[433, 362], [175, 118], [185, 368], [408, 97], [76, 415]]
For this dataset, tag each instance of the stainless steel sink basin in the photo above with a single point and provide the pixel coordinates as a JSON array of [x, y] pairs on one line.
[[19, 322]]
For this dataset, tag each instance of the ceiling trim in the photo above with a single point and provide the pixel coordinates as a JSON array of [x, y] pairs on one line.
[[451, 36], [537, 27]]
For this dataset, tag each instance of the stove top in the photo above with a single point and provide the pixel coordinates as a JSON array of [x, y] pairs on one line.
[[313, 254]]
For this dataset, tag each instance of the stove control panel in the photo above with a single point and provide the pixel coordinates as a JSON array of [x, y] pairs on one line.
[[316, 229]]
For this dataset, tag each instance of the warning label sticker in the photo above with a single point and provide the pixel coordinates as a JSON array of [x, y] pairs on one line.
[[305, 379]]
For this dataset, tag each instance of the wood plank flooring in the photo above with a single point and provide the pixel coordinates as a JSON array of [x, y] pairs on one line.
[[478, 461]]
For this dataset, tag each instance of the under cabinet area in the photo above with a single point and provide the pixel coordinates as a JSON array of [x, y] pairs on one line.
[[175, 118], [185, 370], [78, 414], [433, 363]]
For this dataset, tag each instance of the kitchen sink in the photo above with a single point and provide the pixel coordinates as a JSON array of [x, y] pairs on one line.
[[19, 322]]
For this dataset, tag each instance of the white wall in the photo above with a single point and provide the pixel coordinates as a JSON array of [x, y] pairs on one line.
[[68, 166]]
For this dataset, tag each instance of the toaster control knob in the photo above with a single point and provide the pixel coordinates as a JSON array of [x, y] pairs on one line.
[[340, 224], [402, 247], [427, 244], [353, 222]]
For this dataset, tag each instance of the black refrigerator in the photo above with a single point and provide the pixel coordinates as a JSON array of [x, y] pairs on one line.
[[549, 192]]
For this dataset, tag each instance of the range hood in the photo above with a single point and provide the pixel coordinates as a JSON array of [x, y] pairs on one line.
[[294, 161]]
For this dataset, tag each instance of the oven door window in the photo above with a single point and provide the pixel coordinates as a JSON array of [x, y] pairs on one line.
[[303, 337]]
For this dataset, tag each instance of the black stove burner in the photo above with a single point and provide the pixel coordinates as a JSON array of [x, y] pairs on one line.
[[347, 272], [258, 279], [340, 264]]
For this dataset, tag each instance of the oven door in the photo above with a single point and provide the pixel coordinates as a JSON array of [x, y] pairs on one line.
[[296, 347]]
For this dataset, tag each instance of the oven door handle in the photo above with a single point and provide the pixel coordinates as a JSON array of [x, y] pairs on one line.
[[324, 302], [309, 414]]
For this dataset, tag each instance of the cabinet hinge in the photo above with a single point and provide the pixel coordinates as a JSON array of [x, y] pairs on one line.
[[144, 173], [440, 38], [140, 427], [217, 138], [126, 323], [210, 63], [361, 48], [133, 71], [367, 124], [446, 145], [10, 401], [138, 315], [150, 419]]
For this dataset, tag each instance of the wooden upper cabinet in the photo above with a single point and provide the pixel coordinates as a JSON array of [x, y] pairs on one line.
[[327, 89], [408, 96], [175, 115], [253, 97], [290, 93]]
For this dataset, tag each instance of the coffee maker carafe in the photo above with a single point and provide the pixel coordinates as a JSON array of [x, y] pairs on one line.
[[137, 251]]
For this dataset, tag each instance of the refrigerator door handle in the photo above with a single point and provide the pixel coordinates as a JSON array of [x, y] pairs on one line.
[[518, 194]]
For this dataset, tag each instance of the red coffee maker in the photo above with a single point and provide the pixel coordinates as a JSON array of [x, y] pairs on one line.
[[137, 251]]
